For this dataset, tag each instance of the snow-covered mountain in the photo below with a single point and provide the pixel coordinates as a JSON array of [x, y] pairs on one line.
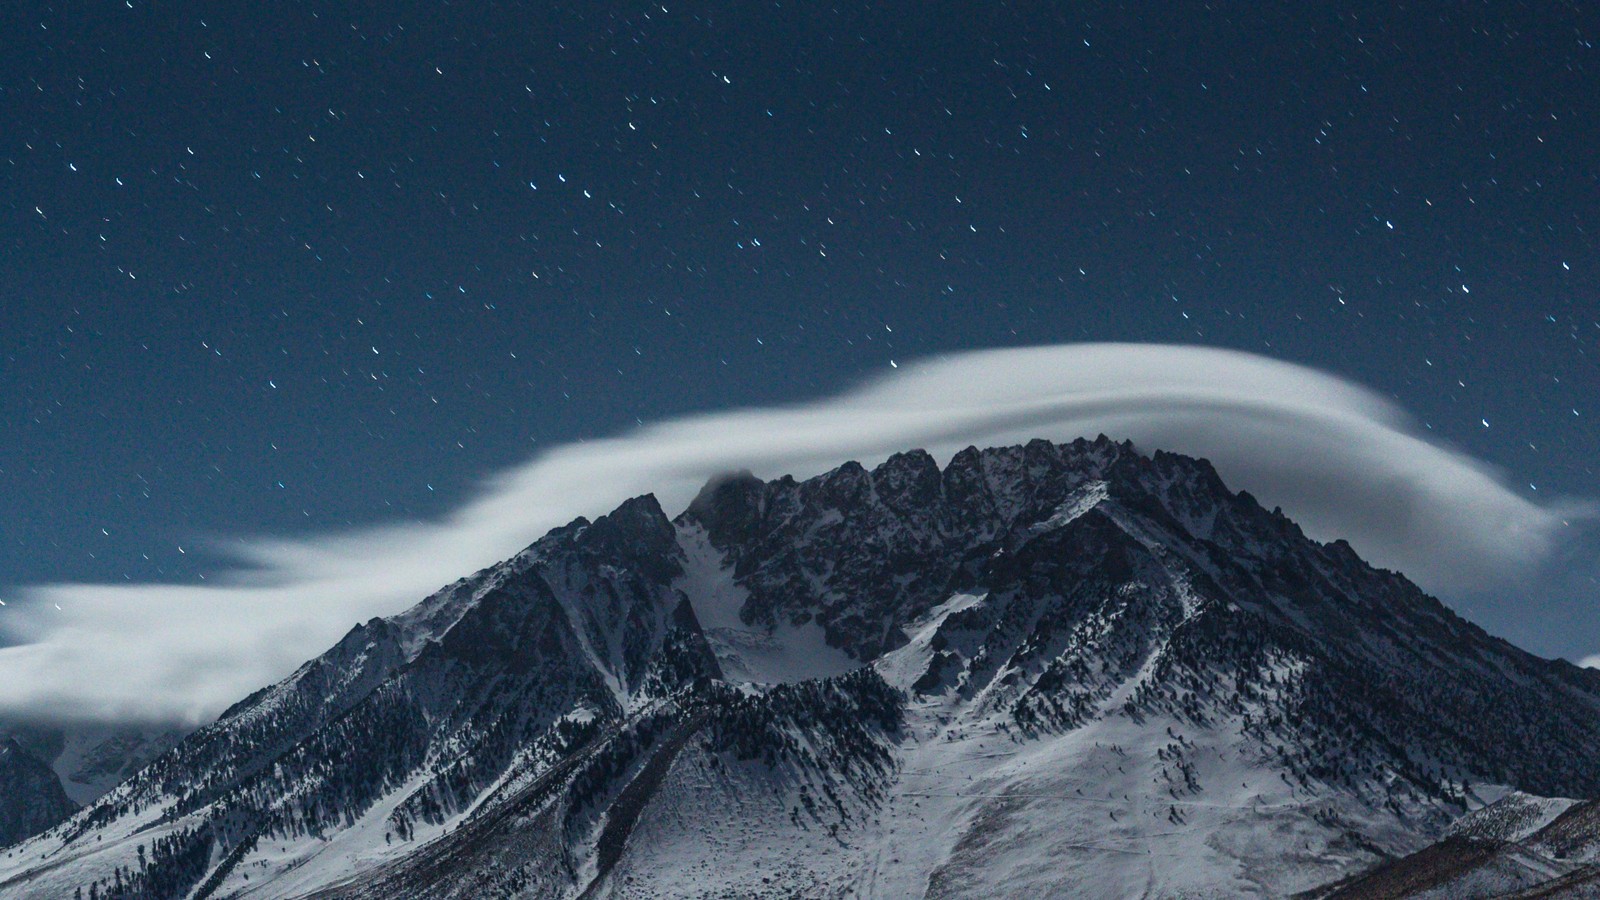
[[1041, 670]]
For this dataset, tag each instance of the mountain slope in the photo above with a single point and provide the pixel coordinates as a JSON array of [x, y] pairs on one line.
[[1519, 846], [1039, 668]]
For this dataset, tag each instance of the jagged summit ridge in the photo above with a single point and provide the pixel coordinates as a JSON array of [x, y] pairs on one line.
[[784, 537], [905, 680]]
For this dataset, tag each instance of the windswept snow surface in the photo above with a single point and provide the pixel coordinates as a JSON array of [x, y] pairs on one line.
[[979, 810], [976, 813]]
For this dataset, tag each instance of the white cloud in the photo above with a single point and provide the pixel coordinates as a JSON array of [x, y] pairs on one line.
[[1340, 460], [1591, 662]]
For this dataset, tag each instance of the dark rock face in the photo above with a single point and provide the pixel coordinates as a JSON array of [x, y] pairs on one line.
[[555, 698], [864, 553], [31, 797]]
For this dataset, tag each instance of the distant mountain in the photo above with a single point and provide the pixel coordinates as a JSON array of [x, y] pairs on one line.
[[79, 761], [1041, 670], [92, 759], [31, 798]]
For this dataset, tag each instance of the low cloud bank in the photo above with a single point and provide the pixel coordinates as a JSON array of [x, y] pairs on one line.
[[1339, 459]]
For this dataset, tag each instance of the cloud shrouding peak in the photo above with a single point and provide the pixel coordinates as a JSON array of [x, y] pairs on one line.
[[1340, 460]]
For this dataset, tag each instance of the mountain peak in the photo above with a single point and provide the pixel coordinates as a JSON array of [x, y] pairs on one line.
[[637, 530], [728, 505], [1071, 652]]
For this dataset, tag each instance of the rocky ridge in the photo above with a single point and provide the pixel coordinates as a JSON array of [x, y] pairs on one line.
[[1035, 667]]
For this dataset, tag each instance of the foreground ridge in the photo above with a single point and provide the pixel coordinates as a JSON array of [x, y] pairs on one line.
[[1037, 669]]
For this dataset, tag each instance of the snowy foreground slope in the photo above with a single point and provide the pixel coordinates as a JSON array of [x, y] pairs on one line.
[[1068, 670]]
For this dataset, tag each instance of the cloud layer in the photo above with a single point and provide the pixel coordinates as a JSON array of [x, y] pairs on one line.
[[1340, 460]]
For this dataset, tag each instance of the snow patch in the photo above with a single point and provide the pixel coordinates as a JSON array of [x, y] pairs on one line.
[[906, 664], [1080, 501], [751, 653]]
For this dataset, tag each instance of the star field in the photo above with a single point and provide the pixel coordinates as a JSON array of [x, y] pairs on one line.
[[285, 268]]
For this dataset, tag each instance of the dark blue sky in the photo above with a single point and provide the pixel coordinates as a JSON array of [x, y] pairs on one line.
[[280, 268]]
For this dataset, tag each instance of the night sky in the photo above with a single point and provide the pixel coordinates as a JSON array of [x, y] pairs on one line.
[[286, 268]]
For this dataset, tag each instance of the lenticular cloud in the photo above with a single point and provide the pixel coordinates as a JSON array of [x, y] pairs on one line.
[[1340, 460]]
